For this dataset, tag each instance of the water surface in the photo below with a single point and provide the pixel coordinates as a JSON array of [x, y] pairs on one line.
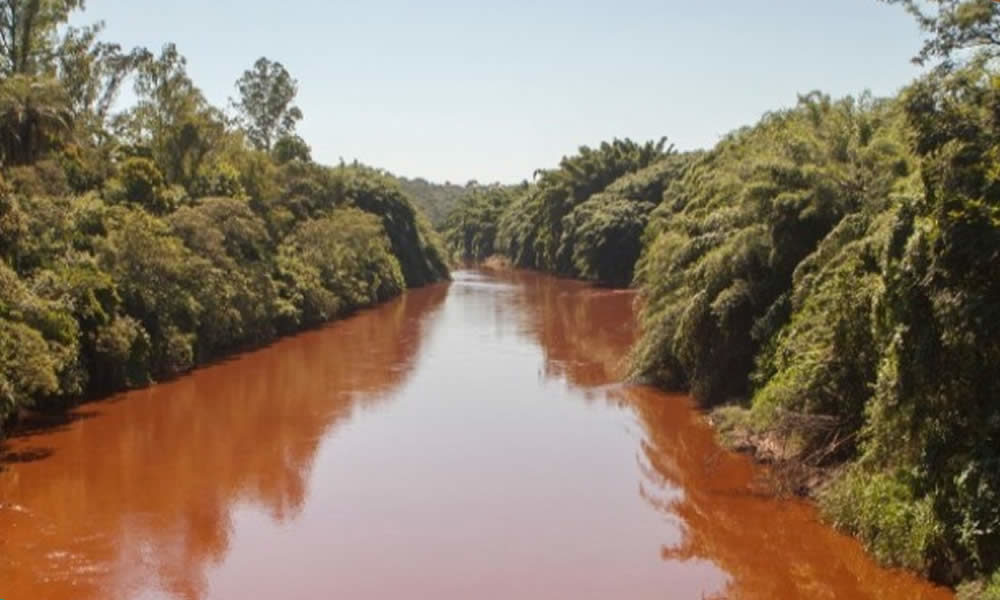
[[465, 441]]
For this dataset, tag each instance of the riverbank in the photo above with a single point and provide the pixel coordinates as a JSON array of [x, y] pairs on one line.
[[144, 295], [27, 421], [830, 270]]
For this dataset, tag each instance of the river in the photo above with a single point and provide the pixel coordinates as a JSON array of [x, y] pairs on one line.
[[468, 440]]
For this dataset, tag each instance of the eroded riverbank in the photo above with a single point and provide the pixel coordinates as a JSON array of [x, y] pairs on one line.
[[463, 441]]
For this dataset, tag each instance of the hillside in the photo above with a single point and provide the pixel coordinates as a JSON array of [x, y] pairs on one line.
[[436, 200]]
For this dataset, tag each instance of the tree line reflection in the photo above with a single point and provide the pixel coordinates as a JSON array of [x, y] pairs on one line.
[[151, 480], [770, 549]]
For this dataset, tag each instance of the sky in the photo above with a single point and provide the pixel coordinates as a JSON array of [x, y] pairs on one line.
[[455, 90]]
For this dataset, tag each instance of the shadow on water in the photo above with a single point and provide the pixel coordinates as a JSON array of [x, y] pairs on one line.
[[39, 423], [24, 455], [35, 424]]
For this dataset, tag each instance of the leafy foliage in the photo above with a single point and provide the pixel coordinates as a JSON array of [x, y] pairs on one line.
[[584, 219], [898, 528], [291, 147], [471, 228], [28, 30], [265, 103], [605, 231], [724, 245], [955, 25], [34, 117], [532, 231], [838, 261], [435, 200], [137, 245]]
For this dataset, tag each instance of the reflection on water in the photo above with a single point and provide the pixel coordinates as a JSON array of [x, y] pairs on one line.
[[140, 495], [465, 441]]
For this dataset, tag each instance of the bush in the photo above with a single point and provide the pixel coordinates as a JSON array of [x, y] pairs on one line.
[[606, 234], [418, 249], [291, 148], [219, 180], [121, 355], [898, 528], [139, 182], [988, 589], [347, 255]]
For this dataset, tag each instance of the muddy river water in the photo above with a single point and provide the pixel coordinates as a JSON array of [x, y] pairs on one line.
[[470, 440]]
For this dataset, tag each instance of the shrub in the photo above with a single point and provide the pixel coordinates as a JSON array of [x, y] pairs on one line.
[[898, 528], [139, 182]]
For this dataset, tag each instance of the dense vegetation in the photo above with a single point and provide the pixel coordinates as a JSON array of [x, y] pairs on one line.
[[832, 271], [831, 274], [471, 229], [836, 266], [136, 244], [583, 219]]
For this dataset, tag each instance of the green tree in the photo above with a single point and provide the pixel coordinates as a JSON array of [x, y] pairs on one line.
[[604, 233], [954, 26], [28, 41], [265, 103], [470, 229], [173, 119], [723, 247], [532, 234], [92, 72], [34, 117], [291, 147]]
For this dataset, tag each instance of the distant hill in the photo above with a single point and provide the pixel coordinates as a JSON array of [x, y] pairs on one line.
[[435, 199]]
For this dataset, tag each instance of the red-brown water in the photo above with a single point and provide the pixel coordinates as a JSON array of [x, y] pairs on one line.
[[465, 441]]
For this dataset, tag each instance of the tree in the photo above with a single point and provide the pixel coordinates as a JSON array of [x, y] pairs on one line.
[[93, 72], [173, 119], [166, 96], [532, 235], [265, 104], [27, 33], [291, 147], [34, 114], [470, 229], [955, 25]]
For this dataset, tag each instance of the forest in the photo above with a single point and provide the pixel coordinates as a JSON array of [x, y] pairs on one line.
[[137, 242], [827, 278]]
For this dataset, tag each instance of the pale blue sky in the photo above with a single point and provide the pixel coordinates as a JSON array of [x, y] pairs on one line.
[[457, 90]]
